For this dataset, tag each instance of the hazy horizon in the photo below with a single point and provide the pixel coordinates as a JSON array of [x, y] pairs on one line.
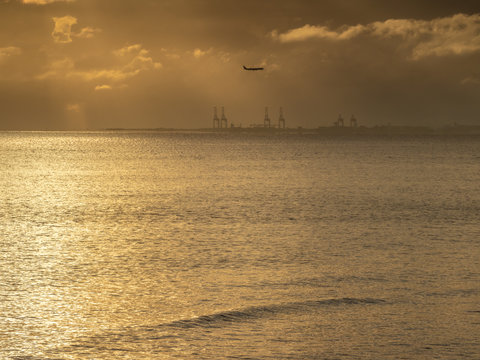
[[85, 64]]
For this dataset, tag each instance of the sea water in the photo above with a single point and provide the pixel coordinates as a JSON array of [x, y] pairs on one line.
[[189, 245]]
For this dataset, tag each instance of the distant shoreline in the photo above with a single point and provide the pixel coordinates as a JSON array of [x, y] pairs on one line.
[[454, 130], [334, 131]]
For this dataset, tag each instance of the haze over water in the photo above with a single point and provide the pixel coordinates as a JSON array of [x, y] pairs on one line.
[[145, 245]]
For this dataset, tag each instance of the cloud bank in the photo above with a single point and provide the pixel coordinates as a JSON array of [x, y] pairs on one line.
[[455, 35], [127, 63]]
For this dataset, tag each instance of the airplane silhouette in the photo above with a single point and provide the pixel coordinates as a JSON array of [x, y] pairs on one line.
[[252, 68]]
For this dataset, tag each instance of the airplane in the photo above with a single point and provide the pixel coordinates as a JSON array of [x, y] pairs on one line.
[[252, 68]]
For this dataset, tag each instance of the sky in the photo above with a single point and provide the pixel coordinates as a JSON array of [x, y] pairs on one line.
[[95, 64]]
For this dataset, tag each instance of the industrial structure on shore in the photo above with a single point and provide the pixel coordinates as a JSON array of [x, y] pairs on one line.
[[218, 123], [222, 122], [341, 123]]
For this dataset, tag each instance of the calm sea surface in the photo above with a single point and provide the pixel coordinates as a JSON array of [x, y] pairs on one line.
[[122, 245]]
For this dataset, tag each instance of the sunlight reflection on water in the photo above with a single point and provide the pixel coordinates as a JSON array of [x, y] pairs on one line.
[[151, 245]]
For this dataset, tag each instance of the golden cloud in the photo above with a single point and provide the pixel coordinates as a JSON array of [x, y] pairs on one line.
[[321, 32], [103, 87], [63, 28], [455, 35], [62, 33], [138, 58], [129, 62], [87, 32], [131, 49], [198, 53], [44, 2], [9, 51]]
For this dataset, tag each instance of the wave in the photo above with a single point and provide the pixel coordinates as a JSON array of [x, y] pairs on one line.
[[171, 331], [255, 312]]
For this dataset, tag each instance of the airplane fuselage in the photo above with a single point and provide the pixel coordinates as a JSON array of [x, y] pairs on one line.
[[252, 68]]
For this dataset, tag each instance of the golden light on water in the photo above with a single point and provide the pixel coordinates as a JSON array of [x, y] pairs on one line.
[[154, 243]]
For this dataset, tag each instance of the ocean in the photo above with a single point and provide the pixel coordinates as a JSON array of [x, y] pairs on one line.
[[191, 245]]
